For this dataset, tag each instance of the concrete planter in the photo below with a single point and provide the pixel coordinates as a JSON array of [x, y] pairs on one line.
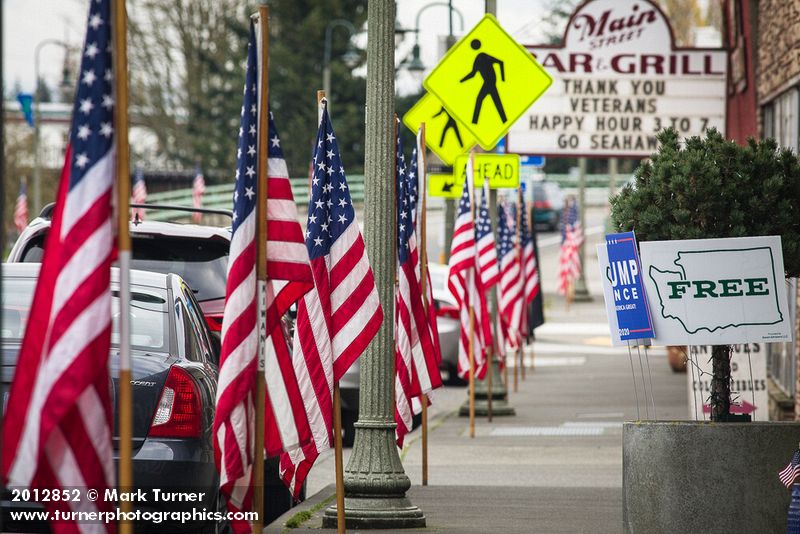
[[689, 476]]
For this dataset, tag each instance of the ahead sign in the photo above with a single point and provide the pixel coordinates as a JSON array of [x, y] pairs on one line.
[[502, 170], [487, 80]]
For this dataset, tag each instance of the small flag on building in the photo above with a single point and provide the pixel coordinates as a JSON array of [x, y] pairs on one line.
[[21, 208], [198, 190], [138, 194]]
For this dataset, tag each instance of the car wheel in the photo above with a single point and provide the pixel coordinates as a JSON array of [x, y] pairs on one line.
[[454, 379], [348, 428]]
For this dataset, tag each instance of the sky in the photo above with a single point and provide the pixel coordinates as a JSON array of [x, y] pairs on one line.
[[28, 22]]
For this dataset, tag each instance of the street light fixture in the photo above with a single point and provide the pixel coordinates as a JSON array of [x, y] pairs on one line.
[[414, 63], [351, 57], [37, 172]]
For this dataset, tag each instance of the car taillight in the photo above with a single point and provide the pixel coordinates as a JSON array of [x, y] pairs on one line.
[[542, 204], [178, 414], [447, 311], [214, 322]]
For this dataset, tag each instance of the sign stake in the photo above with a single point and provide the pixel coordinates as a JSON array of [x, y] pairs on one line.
[[423, 247], [125, 403], [261, 267], [471, 177], [635, 387]]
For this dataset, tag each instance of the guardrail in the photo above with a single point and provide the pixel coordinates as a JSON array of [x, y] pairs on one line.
[[221, 196]]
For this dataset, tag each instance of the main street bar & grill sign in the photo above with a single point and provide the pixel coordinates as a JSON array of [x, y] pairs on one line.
[[617, 80]]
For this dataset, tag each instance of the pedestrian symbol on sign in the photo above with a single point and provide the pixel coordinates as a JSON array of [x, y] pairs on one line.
[[484, 65], [486, 81], [451, 124]]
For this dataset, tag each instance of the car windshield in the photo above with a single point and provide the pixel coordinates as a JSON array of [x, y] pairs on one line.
[[202, 263], [149, 318]]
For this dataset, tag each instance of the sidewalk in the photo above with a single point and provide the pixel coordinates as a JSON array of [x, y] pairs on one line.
[[554, 467]]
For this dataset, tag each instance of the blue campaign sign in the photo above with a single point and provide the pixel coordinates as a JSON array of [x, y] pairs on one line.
[[625, 274], [532, 161]]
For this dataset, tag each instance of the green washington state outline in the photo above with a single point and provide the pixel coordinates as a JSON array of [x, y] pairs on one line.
[[681, 273]]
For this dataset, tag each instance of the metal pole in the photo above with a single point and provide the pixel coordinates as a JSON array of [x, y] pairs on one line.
[[581, 291], [423, 247], [374, 480], [124, 246], [471, 186], [326, 58], [37, 172], [261, 266]]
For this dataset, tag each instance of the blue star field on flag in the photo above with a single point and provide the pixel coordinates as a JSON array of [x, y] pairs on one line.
[[330, 209], [92, 134], [244, 193], [405, 204], [505, 231], [483, 225]]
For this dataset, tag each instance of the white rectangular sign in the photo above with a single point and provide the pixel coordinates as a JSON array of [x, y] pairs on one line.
[[749, 396], [617, 80], [717, 291]]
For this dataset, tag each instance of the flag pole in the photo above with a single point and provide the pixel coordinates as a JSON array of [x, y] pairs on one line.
[[337, 408], [518, 355], [261, 268], [125, 404], [472, 310], [423, 247]]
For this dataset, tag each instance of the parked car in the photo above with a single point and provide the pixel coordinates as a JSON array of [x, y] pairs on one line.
[[199, 255], [447, 322], [548, 202]]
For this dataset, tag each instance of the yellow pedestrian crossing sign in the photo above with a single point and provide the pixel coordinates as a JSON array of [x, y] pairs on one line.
[[487, 81], [444, 135]]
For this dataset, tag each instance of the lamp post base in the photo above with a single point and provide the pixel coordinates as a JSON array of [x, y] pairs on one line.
[[500, 405], [387, 512]]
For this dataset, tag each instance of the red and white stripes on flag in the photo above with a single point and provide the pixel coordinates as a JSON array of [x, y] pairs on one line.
[[487, 251], [465, 286], [511, 296], [340, 316], [58, 423], [21, 209], [416, 352], [572, 238], [289, 277], [198, 190], [530, 269]]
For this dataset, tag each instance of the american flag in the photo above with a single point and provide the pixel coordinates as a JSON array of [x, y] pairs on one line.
[[198, 190], [21, 208], [487, 253], [511, 283], [58, 423], [530, 269], [571, 239], [289, 278], [340, 316], [138, 193], [791, 471], [465, 285], [416, 361]]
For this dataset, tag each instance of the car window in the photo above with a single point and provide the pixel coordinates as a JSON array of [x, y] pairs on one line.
[[199, 329], [149, 326], [202, 263]]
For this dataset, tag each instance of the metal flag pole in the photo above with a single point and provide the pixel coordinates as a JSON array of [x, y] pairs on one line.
[[124, 247], [471, 186], [337, 394], [423, 247], [261, 266]]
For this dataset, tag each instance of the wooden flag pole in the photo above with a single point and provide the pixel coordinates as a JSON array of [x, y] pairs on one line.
[[423, 247], [472, 311], [261, 267], [125, 403], [337, 408]]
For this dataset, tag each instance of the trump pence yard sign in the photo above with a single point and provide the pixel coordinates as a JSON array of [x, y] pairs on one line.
[[717, 291]]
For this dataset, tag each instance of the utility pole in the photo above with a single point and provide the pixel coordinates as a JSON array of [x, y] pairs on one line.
[[581, 291], [374, 480]]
